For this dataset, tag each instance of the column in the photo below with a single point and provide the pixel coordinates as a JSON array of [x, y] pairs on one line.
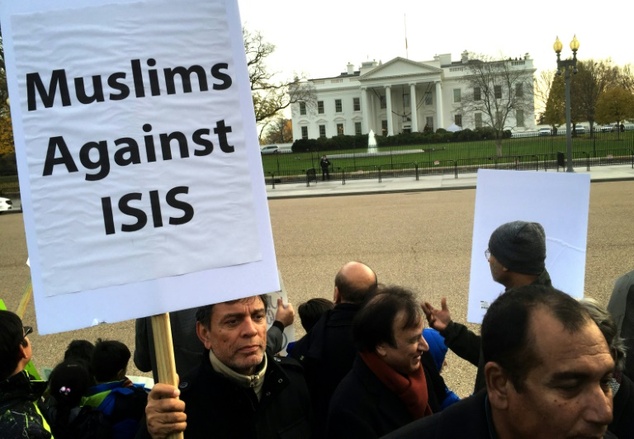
[[388, 104], [439, 114], [366, 110], [412, 102]]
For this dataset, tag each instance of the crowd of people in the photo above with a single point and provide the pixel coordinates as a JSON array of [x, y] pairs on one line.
[[548, 366]]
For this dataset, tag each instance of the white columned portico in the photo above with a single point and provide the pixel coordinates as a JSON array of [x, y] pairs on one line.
[[388, 104], [412, 103], [365, 107], [439, 113]]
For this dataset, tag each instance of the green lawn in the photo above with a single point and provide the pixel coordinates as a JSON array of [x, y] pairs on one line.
[[448, 154]]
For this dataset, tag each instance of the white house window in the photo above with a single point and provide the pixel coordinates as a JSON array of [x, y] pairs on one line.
[[320, 107], [304, 132], [519, 118], [382, 102], [322, 130], [457, 119], [384, 127], [457, 97], [356, 104], [340, 129], [429, 122], [478, 120], [428, 100], [477, 94], [338, 108], [357, 128], [497, 89], [498, 118], [405, 100], [519, 90]]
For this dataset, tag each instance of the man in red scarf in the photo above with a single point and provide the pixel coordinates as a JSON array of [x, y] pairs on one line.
[[393, 380]]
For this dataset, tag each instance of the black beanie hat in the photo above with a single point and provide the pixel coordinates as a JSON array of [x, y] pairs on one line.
[[520, 246]]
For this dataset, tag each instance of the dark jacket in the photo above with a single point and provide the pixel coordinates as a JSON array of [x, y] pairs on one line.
[[19, 415], [363, 407], [466, 419], [467, 345], [121, 402], [623, 414], [219, 408], [327, 353], [469, 418]]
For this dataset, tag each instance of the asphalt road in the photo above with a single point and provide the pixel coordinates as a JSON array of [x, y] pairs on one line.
[[421, 240]]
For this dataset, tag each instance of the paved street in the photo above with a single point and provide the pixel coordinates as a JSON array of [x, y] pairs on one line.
[[420, 239]]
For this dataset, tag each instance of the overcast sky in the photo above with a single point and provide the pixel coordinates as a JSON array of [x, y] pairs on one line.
[[319, 38]]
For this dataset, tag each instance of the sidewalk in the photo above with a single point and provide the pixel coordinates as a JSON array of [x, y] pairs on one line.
[[425, 183]]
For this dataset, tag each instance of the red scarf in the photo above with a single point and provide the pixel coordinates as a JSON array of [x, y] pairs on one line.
[[411, 389]]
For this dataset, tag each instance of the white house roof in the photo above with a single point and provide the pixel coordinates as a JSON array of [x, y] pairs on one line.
[[400, 67]]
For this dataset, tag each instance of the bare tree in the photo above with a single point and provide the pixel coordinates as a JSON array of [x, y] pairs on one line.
[[555, 112], [499, 90], [279, 130], [626, 77], [543, 85], [270, 96], [592, 79]]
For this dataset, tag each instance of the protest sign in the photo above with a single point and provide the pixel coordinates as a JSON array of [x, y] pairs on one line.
[[139, 166], [558, 201]]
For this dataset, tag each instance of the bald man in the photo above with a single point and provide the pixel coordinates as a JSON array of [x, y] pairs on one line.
[[328, 351]]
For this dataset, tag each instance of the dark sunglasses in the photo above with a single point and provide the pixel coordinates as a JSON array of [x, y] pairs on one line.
[[27, 330]]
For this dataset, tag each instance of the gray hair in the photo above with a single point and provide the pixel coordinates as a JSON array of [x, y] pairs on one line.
[[608, 328]]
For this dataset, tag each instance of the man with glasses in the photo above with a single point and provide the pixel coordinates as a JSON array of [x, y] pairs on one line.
[[20, 415], [516, 255]]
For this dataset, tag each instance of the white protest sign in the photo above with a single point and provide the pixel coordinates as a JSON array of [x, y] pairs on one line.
[[140, 173], [558, 201]]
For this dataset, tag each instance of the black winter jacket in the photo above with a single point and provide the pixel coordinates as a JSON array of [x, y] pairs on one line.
[[216, 407]]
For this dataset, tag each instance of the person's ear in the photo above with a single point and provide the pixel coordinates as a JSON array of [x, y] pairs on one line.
[[381, 350], [498, 385], [121, 374], [204, 334], [23, 353]]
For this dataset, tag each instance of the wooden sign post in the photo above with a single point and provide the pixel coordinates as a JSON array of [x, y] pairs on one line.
[[164, 350]]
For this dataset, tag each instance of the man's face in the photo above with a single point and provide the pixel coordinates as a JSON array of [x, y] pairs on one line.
[[497, 270], [410, 345], [237, 334], [567, 394]]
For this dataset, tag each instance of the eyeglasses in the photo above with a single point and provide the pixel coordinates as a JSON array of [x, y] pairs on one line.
[[487, 254], [27, 330]]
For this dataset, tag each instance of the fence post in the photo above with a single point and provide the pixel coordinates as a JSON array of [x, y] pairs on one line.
[[416, 167], [343, 176], [380, 179], [272, 179], [536, 162], [455, 167], [311, 174]]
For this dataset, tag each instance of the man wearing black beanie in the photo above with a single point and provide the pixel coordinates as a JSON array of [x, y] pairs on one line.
[[516, 255]]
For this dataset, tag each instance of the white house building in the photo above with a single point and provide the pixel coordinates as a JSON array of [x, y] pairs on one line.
[[402, 96]]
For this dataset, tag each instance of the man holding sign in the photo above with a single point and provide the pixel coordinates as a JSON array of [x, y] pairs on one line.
[[238, 390]]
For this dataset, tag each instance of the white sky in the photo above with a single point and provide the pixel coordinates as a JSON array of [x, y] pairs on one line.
[[319, 38]]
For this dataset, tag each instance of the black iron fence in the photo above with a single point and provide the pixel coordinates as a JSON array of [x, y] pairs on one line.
[[539, 153]]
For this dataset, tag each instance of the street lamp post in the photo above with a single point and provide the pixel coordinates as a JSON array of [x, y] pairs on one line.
[[568, 66]]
